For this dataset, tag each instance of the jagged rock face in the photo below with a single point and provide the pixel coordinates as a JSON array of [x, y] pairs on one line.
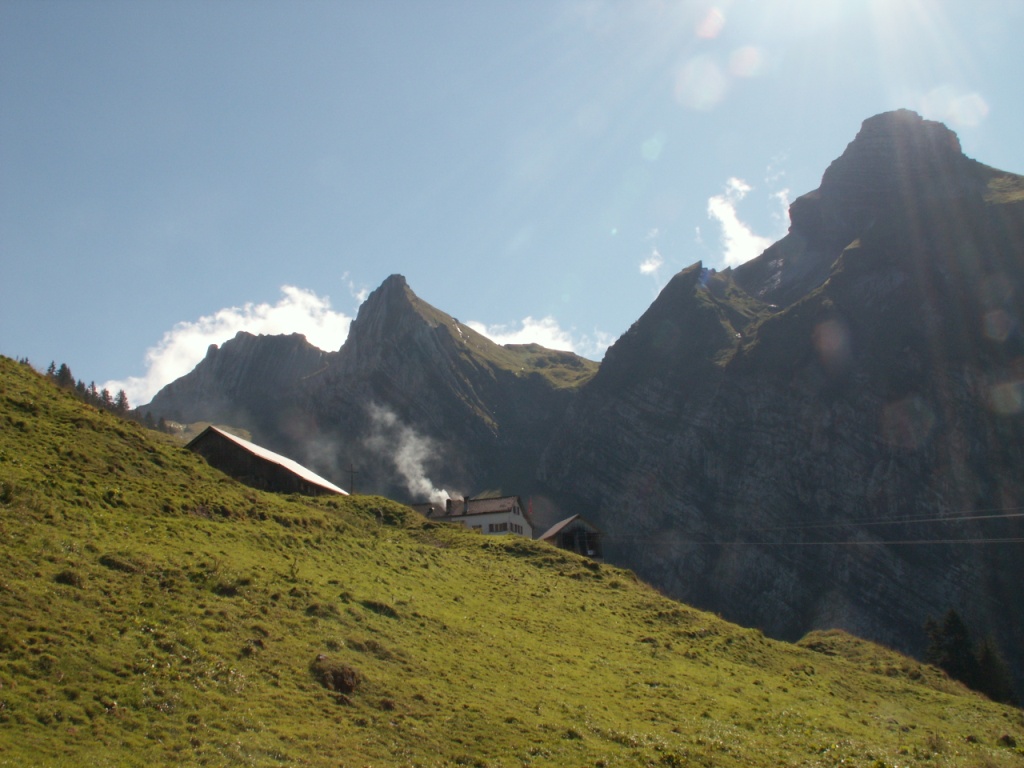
[[414, 402], [767, 478], [412, 380], [898, 166], [249, 381]]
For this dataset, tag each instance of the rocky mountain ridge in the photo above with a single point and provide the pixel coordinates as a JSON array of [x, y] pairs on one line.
[[834, 465], [831, 435], [414, 404]]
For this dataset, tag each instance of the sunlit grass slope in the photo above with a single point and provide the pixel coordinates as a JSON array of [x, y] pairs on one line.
[[157, 613]]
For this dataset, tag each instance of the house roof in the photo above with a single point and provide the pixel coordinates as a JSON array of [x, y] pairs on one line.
[[466, 507], [563, 524], [275, 458], [485, 506]]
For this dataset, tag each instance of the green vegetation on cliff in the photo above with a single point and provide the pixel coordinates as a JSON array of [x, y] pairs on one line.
[[156, 612]]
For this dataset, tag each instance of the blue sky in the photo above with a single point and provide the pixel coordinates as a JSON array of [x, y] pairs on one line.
[[173, 172]]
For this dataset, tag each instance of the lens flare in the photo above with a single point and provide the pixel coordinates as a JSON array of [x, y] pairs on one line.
[[832, 342], [701, 84], [651, 149], [745, 61], [997, 325], [1007, 398], [711, 25], [907, 423]]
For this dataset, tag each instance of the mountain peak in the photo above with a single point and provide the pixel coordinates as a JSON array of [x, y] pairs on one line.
[[392, 310], [893, 152], [244, 371], [394, 290], [897, 160], [907, 127], [394, 282], [899, 168]]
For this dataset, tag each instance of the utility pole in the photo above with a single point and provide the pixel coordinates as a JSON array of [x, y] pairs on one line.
[[352, 480]]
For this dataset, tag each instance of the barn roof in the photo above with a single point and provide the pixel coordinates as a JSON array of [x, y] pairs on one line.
[[561, 525], [275, 458]]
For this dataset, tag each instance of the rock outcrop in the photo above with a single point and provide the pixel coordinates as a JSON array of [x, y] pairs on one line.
[[419, 402], [898, 166], [248, 381], [414, 403], [834, 463]]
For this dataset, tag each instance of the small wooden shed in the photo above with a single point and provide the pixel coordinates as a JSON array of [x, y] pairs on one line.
[[258, 467], [577, 535]]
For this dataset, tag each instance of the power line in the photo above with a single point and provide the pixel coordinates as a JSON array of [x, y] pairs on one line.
[[896, 542], [889, 521], [824, 542], [1004, 513]]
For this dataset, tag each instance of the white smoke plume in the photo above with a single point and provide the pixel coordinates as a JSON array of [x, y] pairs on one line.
[[410, 452]]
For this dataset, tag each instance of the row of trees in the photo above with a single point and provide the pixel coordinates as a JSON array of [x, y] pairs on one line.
[[978, 666], [101, 398]]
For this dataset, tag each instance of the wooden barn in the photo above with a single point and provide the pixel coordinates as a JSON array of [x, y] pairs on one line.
[[258, 467], [577, 535]]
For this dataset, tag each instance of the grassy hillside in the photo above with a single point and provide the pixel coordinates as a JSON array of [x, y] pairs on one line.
[[156, 613]]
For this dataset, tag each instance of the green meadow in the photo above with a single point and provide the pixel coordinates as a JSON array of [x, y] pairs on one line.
[[155, 612]]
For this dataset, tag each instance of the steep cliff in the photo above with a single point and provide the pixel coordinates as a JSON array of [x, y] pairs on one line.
[[413, 403], [855, 456], [248, 381], [419, 402], [898, 167]]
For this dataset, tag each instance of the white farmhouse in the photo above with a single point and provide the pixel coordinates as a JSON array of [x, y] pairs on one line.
[[495, 516]]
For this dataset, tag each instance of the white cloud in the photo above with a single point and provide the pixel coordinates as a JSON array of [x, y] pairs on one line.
[[782, 214], [185, 345], [359, 294], [652, 263], [548, 333], [545, 332], [739, 242], [954, 107]]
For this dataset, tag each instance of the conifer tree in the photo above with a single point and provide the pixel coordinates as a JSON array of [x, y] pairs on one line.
[[949, 648], [64, 378], [121, 405], [993, 673]]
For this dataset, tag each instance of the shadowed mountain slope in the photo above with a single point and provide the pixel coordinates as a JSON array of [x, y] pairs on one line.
[[854, 455], [413, 403], [248, 381]]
